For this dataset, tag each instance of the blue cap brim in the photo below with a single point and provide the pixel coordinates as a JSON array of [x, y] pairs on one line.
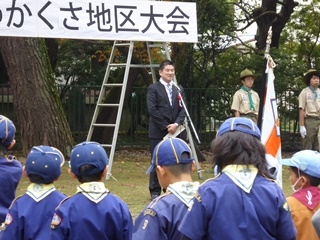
[[287, 162], [150, 169]]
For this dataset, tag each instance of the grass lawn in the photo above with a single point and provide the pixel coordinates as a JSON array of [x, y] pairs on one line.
[[130, 180]]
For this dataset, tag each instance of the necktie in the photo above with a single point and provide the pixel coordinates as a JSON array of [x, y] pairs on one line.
[[170, 92], [315, 92], [250, 97]]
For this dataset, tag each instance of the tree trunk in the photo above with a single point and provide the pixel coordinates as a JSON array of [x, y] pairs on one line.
[[267, 16], [35, 96]]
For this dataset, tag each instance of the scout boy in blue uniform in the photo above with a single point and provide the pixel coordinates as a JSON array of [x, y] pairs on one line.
[[174, 164], [10, 168], [242, 202], [29, 216], [93, 212]]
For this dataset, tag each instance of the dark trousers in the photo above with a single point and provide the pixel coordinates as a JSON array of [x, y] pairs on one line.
[[154, 186]]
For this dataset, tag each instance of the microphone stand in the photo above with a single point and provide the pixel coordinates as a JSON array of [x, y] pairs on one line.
[[186, 110], [199, 171]]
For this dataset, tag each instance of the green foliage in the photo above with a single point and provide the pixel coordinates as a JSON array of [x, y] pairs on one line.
[[302, 37], [215, 27], [82, 62]]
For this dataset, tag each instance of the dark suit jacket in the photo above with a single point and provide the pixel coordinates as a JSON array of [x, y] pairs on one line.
[[161, 112]]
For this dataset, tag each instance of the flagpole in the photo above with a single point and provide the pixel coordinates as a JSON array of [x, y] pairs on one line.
[[264, 78]]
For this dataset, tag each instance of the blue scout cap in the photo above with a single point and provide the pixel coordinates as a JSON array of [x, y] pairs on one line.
[[46, 162], [7, 131], [240, 124], [169, 152], [307, 161], [88, 153]]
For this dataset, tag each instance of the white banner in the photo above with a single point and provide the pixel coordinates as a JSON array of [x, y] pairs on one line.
[[100, 19]]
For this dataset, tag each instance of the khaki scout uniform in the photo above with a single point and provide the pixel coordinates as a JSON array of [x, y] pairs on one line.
[[311, 107], [241, 104]]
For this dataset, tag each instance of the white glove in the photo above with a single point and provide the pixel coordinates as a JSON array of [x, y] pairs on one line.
[[303, 131]]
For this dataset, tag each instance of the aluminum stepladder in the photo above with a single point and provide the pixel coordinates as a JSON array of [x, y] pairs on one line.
[[105, 85]]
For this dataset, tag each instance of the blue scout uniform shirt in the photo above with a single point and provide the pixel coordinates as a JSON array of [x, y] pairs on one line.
[[29, 216], [161, 218], [92, 213], [227, 209], [10, 175]]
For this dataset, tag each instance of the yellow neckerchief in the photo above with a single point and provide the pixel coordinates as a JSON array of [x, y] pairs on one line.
[[242, 175], [185, 191], [39, 191], [94, 191]]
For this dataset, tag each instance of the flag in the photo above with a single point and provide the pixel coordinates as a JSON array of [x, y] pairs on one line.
[[270, 128]]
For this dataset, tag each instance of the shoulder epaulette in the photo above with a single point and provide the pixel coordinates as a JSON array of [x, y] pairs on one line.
[[210, 179], [62, 201], [155, 201], [14, 200]]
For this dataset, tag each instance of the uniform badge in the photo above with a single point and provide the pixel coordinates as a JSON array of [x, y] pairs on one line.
[[198, 197], [56, 220], [149, 212], [145, 224], [309, 96], [285, 206], [8, 219], [244, 97]]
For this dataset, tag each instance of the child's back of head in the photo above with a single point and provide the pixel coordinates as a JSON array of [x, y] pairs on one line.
[[88, 161], [43, 164], [173, 153], [238, 143], [7, 134]]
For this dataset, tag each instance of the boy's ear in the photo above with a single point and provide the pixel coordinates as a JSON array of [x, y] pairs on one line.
[[193, 167], [12, 144], [162, 171], [104, 174], [24, 171], [304, 180], [72, 174]]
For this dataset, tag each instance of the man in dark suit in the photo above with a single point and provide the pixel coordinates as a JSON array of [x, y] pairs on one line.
[[166, 114]]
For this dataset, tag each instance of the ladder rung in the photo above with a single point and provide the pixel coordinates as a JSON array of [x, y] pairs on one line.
[[113, 84], [108, 104], [103, 125], [156, 45], [106, 145], [144, 65], [117, 64], [122, 44]]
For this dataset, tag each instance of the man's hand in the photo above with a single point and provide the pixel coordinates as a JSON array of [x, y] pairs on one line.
[[172, 128], [303, 131]]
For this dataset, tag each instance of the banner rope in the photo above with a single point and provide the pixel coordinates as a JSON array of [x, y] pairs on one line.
[[270, 62]]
